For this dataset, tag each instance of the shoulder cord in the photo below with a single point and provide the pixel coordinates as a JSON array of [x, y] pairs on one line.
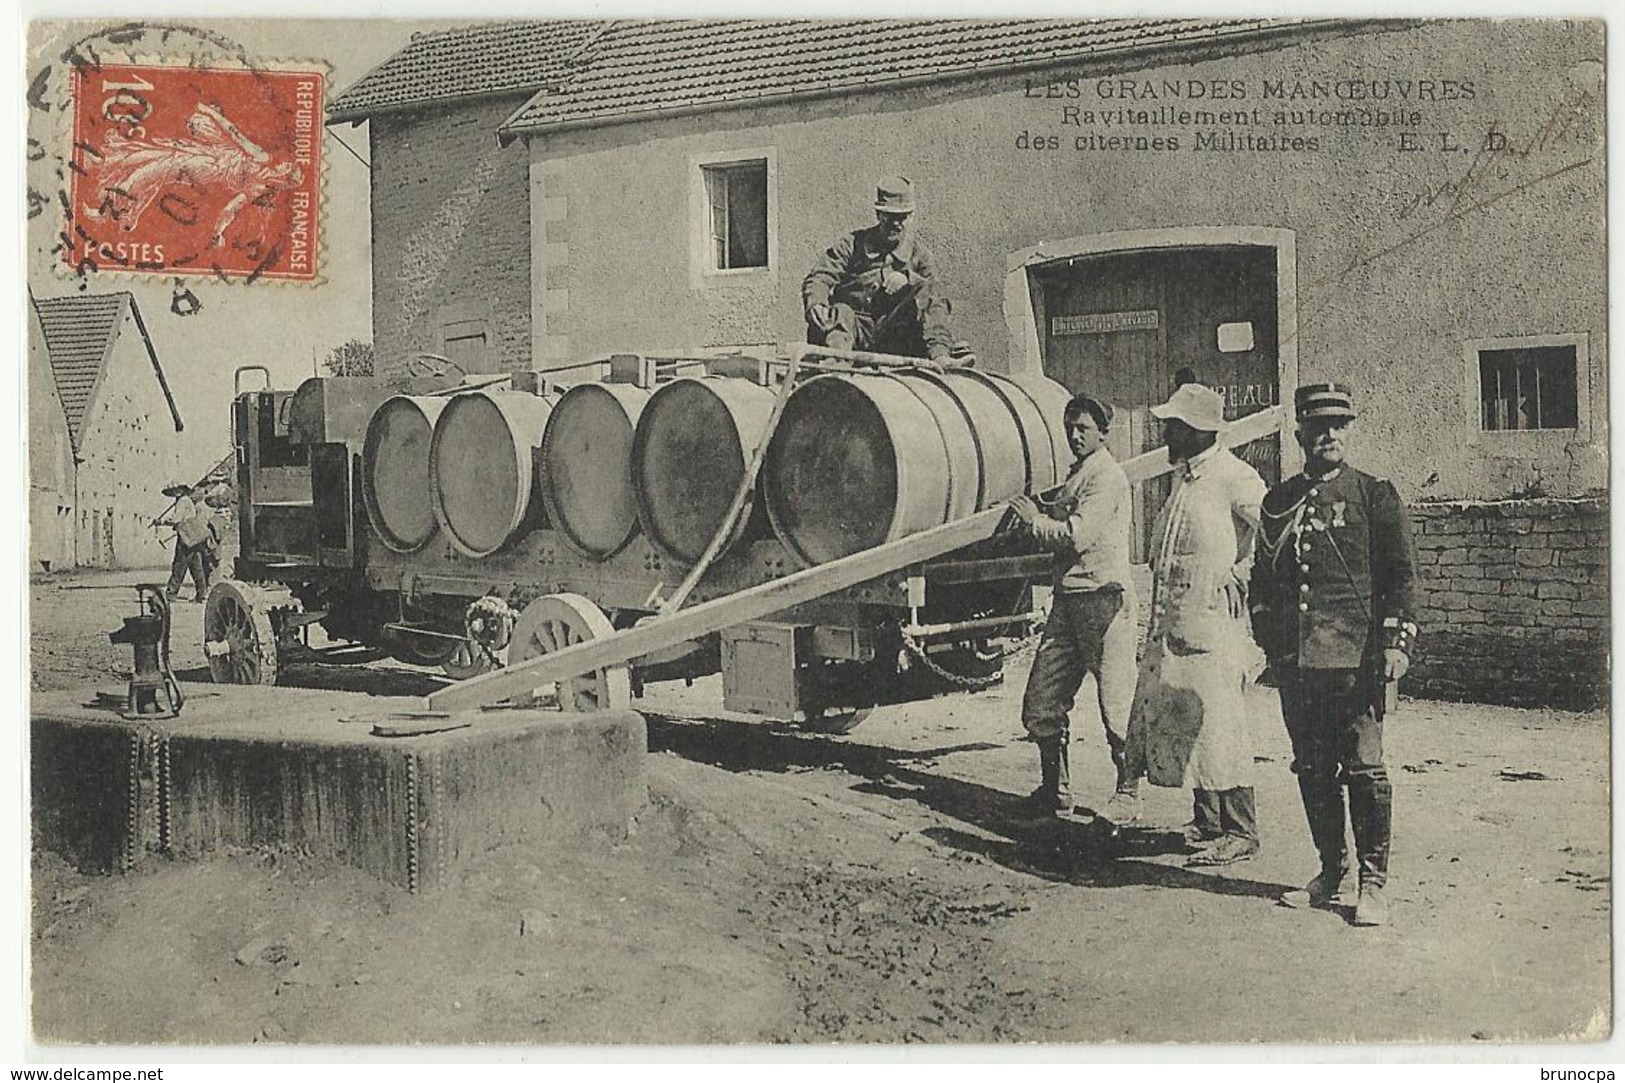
[[1296, 512]]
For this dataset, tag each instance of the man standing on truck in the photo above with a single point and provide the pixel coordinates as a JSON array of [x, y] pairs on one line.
[[876, 289]]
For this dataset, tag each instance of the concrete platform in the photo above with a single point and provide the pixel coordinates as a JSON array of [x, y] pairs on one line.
[[250, 766]]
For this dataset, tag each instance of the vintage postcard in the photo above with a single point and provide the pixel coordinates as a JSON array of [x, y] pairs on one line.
[[739, 532]]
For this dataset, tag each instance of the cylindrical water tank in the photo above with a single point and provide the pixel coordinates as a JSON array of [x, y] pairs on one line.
[[1039, 404], [862, 459], [395, 470], [586, 467], [962, 457], [482, 467], [692, 445], [856, 460]]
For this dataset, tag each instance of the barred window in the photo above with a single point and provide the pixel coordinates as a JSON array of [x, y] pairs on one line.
[[1529, 387]]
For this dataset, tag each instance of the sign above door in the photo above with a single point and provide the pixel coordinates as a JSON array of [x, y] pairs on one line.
[[1100, 323]]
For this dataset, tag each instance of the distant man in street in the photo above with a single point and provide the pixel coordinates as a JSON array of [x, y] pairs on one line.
[[1189, 723], [190, 520], [1333, 603], [876, 288], [1091, 627]]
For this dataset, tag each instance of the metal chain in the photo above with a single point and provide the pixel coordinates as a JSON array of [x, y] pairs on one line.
[[166, 795], [961, 680], [413, 870], [129, 849], [1025, 646], [1021, 647]]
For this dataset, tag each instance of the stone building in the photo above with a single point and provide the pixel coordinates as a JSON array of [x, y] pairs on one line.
[[450, 204], [1265, 202], [103, 431]]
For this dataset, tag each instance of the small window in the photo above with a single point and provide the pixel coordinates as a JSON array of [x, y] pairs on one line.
[[736, 202], [467, 352], [1529, 387]]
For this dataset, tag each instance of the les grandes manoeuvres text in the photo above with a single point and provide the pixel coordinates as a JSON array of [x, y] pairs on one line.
[[1252, 114]]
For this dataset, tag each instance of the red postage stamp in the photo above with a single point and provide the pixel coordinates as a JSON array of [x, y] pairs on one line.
[[195, 170]]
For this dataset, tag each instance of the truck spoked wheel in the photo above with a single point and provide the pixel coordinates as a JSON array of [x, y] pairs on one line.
[[238, 638], [556, 621]]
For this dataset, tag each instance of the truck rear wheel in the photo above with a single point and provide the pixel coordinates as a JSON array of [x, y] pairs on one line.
[[239, 639]]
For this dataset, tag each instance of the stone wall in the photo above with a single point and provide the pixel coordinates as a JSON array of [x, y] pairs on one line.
[[1515, 602], [450, 234]]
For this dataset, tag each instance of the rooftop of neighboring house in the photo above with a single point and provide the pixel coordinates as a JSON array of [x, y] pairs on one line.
[[581, 72], [491, 59], [80, 331]]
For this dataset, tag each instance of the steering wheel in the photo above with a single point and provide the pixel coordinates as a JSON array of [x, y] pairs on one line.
[[433, 364]]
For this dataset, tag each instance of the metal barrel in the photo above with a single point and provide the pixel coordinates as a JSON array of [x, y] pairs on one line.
[[859, 460], [690, 450], [482, 467], [586, 467], [1038, 404], [963, 480], [395, 470]]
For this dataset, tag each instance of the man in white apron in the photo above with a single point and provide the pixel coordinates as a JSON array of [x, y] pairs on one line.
[[1189, 723]]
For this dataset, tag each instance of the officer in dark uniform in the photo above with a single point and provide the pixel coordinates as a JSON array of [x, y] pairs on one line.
[[1333, 601]]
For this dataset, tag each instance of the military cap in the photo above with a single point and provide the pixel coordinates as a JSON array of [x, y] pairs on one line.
[[1327, 400]]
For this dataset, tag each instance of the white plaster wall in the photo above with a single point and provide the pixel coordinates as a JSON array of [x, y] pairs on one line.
[[129, 451]]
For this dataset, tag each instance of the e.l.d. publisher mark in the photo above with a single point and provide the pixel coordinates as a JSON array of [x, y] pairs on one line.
[[195, 170]]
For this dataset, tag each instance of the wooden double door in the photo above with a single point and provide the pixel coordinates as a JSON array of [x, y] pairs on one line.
[[1128, 327]]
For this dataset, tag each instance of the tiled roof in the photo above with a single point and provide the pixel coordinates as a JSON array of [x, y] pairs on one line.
[[80, 330], [637, 68], [472, 61]]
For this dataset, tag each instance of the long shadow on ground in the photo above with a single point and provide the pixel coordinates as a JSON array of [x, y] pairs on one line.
[[1085, 851]]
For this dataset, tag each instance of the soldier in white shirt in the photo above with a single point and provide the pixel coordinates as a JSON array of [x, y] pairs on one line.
[[1091, 626]]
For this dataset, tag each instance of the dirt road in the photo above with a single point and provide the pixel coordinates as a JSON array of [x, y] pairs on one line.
[[786, 887]]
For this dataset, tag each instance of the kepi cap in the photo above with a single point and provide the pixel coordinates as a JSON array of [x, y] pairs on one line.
[[1197, 405], [177, 490], [894, 195], [1325, 401]]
